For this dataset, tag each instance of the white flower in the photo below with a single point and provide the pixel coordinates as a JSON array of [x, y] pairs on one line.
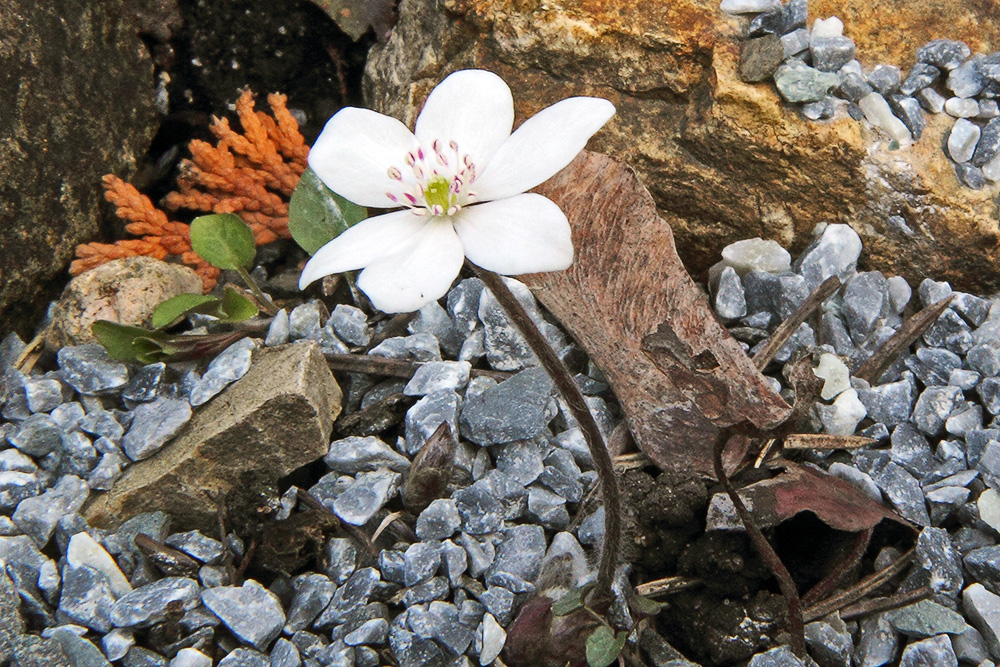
[[461, 176]]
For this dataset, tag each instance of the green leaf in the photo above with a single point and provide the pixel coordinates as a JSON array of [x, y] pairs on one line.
[[317, 215], [603, 646], [235, 307], [118, 339], [572, 601], [644, 606], [173, 309], [223, 240], [150, 349]]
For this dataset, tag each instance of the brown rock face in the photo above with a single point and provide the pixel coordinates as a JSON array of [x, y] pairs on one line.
[[277, 418], [724, 160], [125, 290], [76, 102]]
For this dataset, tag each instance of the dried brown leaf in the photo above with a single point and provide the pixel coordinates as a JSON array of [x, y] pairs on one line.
[[628, 300]]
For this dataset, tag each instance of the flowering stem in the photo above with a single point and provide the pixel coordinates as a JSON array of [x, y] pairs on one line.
[[567, 386]]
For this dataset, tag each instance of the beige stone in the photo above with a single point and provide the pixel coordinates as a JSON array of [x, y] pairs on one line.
[[725, 160], [275, 419], [125, 290]]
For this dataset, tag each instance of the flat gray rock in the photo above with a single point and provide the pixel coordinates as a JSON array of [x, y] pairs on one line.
[[251, 612]]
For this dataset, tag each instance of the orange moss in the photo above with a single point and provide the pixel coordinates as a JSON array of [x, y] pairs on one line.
[[251, 174]]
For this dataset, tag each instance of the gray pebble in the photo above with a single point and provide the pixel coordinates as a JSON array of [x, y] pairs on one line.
[[515, 409], [354, 454], [946, 53], [798, 82], [251, 612], [936, 651], [966, 80], [829, 54], [903, 492], [439, 520], [886, 79], [198, 546], [920, 76], [37, 516], [427, 415], [760, 56], [341, 559], [147, 605], [37, 435], [794, 43], [369, 493], [519, 554], [90, 370], [153, 425], [230, 365], [931, 100], [313, 593]]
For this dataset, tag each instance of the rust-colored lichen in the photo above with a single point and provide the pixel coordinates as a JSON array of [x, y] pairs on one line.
[[251, 174]]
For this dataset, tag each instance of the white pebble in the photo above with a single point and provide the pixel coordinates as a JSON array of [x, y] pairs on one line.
[[989, 508], [834, 372], [988, 109], [879, 114], [189, 657], [843, 416], [84, 550], [991, 169], [749, 6], [756, 254], [831, 27], [961, 107], [962, 140]]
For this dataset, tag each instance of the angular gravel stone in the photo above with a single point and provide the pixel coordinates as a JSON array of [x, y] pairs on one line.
[[908, 110], [341, 559], [231, 364], [148, 605], [966, 80], [90, 370], [373, 631], [821, 110], [427, 415], [946, 53], [84, 550], [984, 564], [37, 516], [829, 54], [926, 619], [836, 252], [15, 487], [481, 511], [768, 23], [251, 612], [936, 651], [421, 562], [921, 75], [352, 455], [903, 492], [87, 598], [798, 82], [970, 177], [966, 416], [911, 450], [506, 349], [515, 409], [890, 403], [931, 100], [350, 597], [285, 654], [885, 78], [190, 657], [866, 298], [776, 657], [153, 425], [939, 562], [989, 144], [963, 139], [760, 57], [730, 300], [369, 493], [198, 546], [493, 638], [829, 645], [879, 114], [313, 593], [970, 646], [350, 324], [278, 331], [989, 392], [244, 657], [434, 320], [519, 554], [794, 43], [521, 461], [438, 375], [439, 520], [843, 417], [37, 435], [933, 407], [945, 501], [983, 610]]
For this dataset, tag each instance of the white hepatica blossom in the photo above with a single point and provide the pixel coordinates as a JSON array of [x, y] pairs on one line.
[[461, 177]]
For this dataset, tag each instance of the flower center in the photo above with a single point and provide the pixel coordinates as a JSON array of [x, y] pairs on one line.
[[434, 182]]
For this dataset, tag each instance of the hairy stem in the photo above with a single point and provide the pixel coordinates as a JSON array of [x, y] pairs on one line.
[[564, 382]]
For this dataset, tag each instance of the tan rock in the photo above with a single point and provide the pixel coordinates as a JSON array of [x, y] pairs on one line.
[[275, 419], [125, 290], [725, 160]]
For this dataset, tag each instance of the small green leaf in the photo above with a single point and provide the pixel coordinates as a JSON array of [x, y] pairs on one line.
[[572, 601], [235, 307], [317, 215], [151, 349], [223, 240], [644, 606], [173, 309], [603, 646], [118, 339]]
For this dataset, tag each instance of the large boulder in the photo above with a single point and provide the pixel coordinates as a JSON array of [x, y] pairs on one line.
[[724, 159], [76, 102]]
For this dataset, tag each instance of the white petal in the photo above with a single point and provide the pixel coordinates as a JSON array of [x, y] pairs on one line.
[[364, 243], [522, 234], [354, 152], [416, 275], [472, 107], [541, 146]]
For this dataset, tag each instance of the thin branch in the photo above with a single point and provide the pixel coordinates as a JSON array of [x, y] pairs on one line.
[[795, 625], [396, 326], [883, 357], [825, 441], [567, 386], [789, 326], [401, 368], [859, 590], [876, 605], [667, 586]]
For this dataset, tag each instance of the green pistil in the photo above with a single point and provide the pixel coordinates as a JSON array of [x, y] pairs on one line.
[[438, 192]]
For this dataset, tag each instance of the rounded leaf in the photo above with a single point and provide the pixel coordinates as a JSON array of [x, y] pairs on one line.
[[173, 309], [603, 646], [223, 240]]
